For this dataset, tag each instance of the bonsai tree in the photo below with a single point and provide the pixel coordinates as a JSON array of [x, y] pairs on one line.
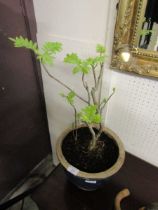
[[94, 105]]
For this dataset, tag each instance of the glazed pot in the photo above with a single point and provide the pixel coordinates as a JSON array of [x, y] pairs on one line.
[[85, 180]]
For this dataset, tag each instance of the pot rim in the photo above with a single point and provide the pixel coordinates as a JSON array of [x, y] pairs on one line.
[[85, 175]]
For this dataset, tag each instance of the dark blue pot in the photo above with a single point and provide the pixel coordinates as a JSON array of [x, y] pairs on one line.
[[90, 181], [85, 184]]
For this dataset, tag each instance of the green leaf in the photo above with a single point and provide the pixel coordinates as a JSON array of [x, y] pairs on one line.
[[91, 61], [144, 32], [69, 97], [46, 58], [97, 119], [76, 69], [24, 42], [100, 59], [96, 60], [83, 67], [46, 55], [89, 115], [72, 59], [52, 47], [100, 48], [80, 65]]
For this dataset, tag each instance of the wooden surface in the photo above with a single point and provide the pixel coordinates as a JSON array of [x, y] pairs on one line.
[[136, 175]]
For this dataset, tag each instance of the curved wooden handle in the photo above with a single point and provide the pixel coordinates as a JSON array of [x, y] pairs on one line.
[[121, 195]]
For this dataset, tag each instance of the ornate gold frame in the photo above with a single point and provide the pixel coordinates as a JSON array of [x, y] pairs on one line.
[[128, 23]]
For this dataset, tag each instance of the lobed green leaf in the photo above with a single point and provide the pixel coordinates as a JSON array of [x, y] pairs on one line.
[[52, 47], [46, 56], [144, 32], [93, 61], [89, 115], [24, 42], [72, 59], [69, 97], [100, 48]]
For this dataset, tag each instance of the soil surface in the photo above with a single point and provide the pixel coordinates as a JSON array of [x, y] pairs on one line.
[[78, 154]]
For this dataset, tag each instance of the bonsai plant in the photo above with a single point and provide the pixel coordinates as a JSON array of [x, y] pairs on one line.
[[88, 151]]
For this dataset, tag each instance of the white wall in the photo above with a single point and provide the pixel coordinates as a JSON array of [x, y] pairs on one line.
[[133, 114], [80, 25]]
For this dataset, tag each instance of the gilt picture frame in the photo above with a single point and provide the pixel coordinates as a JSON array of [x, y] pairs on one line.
[[126, 35]]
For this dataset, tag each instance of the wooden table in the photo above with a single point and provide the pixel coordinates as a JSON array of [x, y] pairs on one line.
[[141, 178]]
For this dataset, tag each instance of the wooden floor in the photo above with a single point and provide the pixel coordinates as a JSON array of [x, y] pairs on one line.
[[57, 193]]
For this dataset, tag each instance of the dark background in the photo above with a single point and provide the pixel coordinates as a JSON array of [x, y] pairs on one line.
[[24, 136]]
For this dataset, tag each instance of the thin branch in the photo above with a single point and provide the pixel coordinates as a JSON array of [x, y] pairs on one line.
[[93, 141], [83, 81], [97, 85], [94, 75], [93, 96], [87, 88], [100, 89], [64, 85], [75, 112], [104, 103], [100, 131], [100, 75], [101, 104]]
